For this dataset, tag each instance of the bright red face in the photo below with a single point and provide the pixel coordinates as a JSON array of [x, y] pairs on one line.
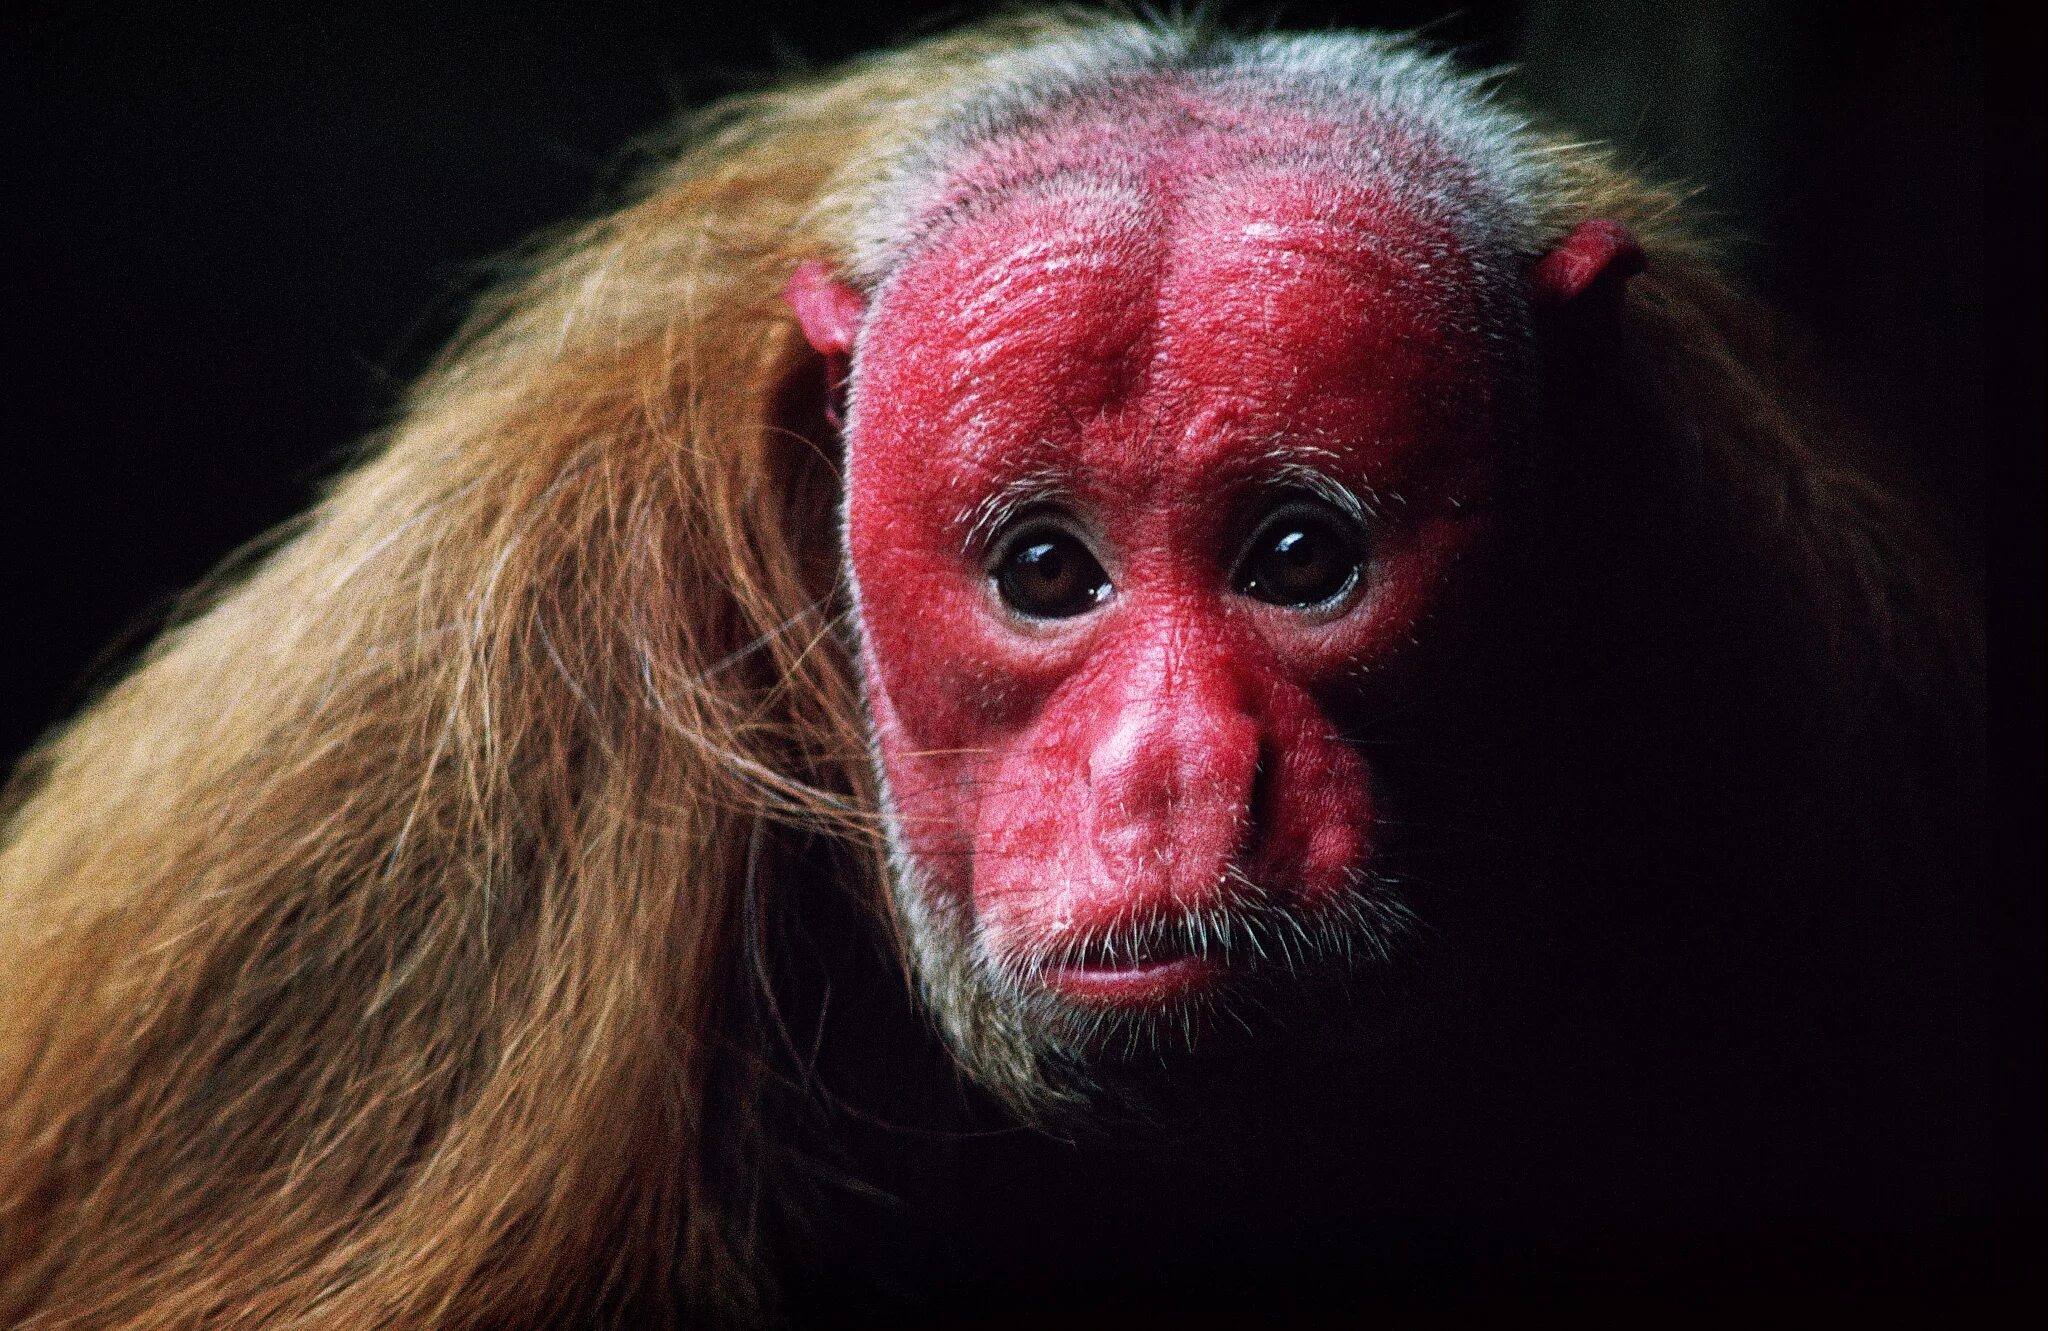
[[1133, 510]]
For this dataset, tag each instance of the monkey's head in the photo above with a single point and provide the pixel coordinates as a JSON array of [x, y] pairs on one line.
[[1179, 389]]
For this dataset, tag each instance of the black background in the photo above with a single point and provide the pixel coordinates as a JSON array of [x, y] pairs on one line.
[[235, 235]]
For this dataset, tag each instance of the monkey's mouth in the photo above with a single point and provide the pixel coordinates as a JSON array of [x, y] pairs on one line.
[[1181, 958], [1145, 984], [1163, 972]]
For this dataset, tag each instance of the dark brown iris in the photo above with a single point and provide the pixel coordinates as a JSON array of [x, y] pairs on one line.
[[1046, 573], [1306, 554]]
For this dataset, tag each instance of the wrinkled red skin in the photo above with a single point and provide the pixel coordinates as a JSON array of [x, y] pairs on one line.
[[1155, 362]]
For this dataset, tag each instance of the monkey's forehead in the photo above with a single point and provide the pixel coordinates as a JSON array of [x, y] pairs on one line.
[[1123, 347], [1128, 109]]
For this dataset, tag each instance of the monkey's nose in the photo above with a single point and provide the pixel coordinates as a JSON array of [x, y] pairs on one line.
[[1172, 784]]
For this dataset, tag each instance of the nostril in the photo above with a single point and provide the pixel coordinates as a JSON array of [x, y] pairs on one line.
[[1259, 805]]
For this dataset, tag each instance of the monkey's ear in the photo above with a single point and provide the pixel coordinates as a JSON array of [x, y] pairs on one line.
[[827, 309], [1591, 265]]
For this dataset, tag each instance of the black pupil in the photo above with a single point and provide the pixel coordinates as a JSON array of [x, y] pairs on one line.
[[1050, 575], [1299, 561]]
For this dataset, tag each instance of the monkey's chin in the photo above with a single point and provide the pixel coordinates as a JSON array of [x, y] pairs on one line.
[[1164, 983]]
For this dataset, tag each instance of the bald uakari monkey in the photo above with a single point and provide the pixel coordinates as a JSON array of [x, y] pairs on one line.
[[1293, 603]]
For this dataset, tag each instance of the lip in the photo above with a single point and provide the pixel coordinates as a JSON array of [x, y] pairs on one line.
[[1146, 984]]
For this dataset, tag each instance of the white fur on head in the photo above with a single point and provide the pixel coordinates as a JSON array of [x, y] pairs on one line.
[[1385, 88]]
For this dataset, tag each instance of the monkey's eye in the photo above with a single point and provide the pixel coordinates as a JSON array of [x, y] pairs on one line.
[[1305, 555], [1045, 572]]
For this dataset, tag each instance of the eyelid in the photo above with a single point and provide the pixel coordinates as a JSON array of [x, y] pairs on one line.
[[1002, 538], [1295, 478], [985, 524], [1349, 519]]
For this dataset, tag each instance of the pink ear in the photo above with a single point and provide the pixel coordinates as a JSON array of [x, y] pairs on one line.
[[1599, 252], [827, 309]]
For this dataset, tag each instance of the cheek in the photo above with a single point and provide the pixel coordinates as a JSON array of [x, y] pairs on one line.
[[949, 691], [935, 644], [1314, 809]]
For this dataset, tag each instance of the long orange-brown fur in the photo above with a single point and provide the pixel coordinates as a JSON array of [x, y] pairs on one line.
[[376, 953]]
